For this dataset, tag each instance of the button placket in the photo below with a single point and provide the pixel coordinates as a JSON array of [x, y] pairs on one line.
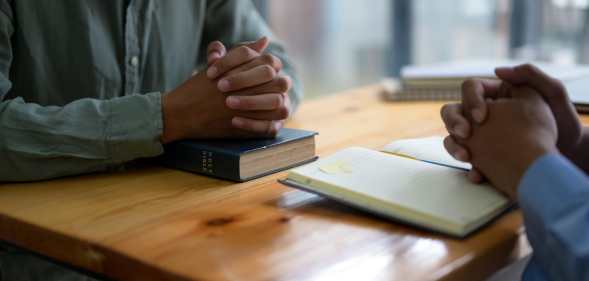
[[131, 50], [134, 61]]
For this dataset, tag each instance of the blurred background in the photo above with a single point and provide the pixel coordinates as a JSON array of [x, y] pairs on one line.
[[340, 44]]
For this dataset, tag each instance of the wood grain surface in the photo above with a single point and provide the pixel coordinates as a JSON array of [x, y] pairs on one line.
[[153, 223]]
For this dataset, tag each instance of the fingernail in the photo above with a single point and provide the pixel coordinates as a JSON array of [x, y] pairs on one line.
[[461, 155], [237, 122], [477, 115], [232, 102], [214, 56], [212, 72], [223, 85], [460, 131]]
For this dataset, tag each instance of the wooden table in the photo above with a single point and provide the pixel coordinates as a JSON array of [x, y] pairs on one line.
[[153, 223]]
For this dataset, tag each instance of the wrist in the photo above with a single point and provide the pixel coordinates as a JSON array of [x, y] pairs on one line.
[[169, 133], [508, 173], [528, 155], [575, 153]]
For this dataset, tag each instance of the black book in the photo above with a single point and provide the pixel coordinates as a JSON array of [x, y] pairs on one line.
[[242, 160]]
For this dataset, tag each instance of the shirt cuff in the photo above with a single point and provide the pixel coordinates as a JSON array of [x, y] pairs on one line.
[[549, 183], [135, 127]]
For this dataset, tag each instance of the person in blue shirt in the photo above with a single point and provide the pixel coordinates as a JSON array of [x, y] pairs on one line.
[[522, 134]]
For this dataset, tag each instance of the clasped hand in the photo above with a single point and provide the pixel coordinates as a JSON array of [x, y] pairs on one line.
[[502, 126], [241, 94]]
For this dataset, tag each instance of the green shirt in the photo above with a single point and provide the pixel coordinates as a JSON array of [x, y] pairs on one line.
[[81, 80]]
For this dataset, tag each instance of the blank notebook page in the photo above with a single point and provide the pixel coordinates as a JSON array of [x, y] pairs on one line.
[[427, 149], [438, 192]]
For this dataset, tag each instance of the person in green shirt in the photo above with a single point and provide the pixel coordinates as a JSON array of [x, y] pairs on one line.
[[88, 85]]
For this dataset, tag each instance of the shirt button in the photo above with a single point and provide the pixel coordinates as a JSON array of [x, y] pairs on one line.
[[134, 61]]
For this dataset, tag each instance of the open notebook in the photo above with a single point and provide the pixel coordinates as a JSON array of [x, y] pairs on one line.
[[432, 192]]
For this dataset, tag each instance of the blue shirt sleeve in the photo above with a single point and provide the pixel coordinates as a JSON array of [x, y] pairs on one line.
[[554, 198]]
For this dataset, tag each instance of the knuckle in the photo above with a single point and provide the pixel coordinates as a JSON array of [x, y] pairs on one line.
[[234, 83], [278, 101], [469, 85], [444, 110], [559, 88], [267, 58], [469, 88], [268, 72], [449, 144], [283, 112], [244, 53], [283, 84], [214, 45], [445, 113], [472, 92], [272, 60], [528, 68], [272, 130]]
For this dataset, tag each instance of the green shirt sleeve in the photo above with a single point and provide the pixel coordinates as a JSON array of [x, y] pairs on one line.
[[42, 137], [237, 21], [41, 142]]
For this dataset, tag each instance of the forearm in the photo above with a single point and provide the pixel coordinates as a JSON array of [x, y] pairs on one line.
[[41, 142], [554, 197], [580, 155]]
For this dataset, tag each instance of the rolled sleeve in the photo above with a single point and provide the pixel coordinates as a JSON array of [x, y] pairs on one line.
[[130, 137], [84, 136]]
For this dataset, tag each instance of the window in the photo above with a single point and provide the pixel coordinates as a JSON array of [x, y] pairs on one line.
[[336, 44], [459, 29], [340, 44]]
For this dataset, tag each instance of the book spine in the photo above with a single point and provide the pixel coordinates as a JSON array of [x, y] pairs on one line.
[[203, 161]]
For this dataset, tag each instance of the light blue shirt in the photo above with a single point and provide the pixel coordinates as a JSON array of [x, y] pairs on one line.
[[554, 198]]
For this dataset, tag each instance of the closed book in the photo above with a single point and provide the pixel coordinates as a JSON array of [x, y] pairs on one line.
[[244, 159], [412, 181], [443, 81]]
